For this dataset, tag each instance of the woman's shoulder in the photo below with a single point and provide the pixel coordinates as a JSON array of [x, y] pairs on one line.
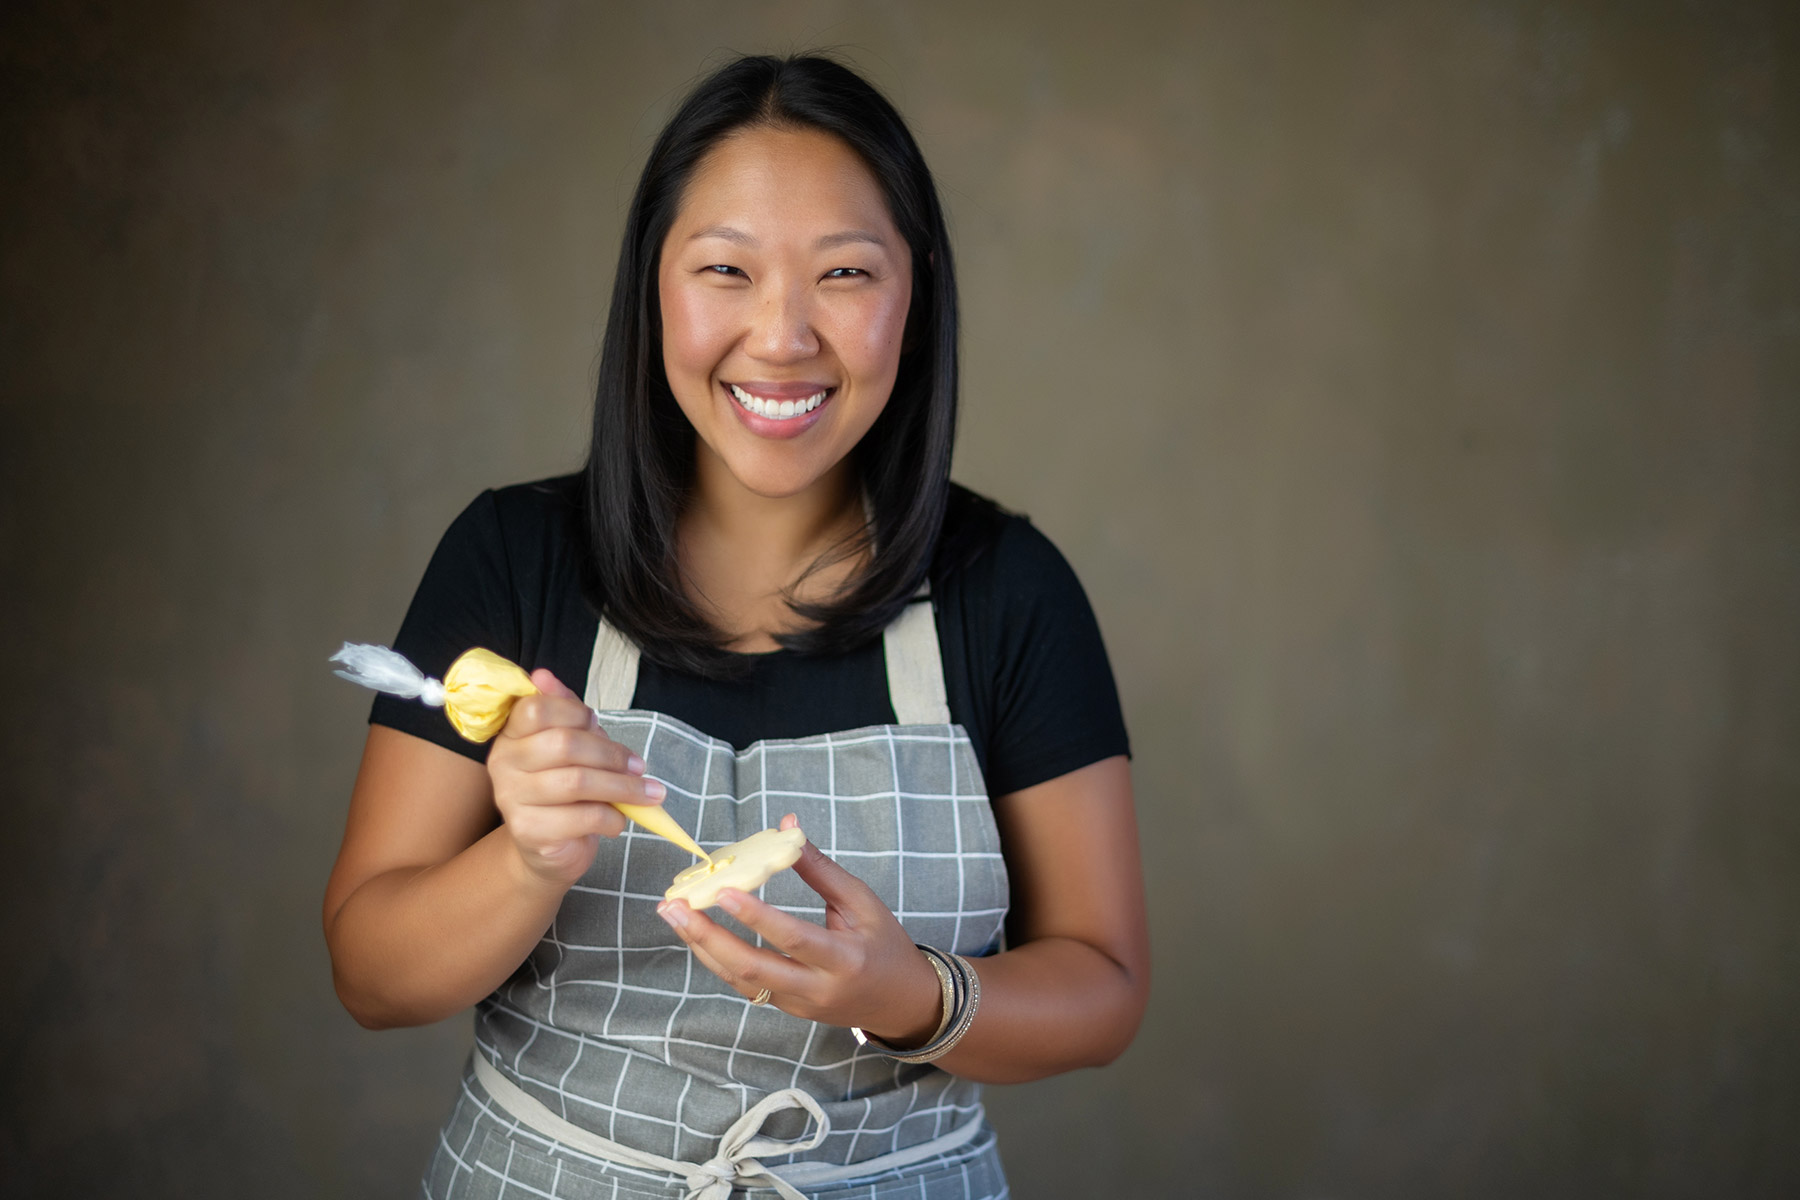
[[1025, 665], [987, 545], [539, 517], [528, 536], [556, 500]]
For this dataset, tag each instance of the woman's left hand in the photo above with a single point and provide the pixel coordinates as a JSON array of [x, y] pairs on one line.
[[859, 969]]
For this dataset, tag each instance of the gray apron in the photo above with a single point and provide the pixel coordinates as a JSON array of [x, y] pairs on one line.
[[611, 1034]]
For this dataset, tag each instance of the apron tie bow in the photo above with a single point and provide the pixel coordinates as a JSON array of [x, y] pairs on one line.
[[740, 1147], [707, 1178]]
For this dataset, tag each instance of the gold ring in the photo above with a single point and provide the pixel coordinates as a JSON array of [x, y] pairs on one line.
[[761, 998]]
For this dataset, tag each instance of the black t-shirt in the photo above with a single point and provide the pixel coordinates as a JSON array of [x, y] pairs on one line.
[[1024, 667]]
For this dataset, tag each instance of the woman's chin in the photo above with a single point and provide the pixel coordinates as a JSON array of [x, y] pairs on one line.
[[777, 485], [778, 471]]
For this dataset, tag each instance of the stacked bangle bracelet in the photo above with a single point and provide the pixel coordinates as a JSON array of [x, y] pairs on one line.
[[962, 996]]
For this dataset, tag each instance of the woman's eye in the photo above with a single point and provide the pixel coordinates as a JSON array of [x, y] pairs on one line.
[[722, 269], [847, 273]]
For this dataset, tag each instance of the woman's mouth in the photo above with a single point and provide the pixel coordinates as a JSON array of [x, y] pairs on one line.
[[775, 408]]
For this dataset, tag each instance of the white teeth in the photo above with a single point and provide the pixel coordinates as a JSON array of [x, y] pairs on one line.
[[779, 410]]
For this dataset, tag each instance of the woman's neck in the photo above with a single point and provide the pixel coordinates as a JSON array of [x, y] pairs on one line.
[[740, 552]]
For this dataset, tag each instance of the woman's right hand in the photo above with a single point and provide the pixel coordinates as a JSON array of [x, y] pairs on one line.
[[431, 905], [556, 777]]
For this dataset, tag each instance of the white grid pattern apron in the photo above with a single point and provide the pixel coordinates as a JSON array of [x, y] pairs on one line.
[[614, 1026]]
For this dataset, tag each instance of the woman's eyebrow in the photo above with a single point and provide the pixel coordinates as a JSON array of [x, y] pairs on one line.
[[828, 242], [849, 236], [727, 233]]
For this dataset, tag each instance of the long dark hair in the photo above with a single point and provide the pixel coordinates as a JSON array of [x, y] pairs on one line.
[[641, 460]]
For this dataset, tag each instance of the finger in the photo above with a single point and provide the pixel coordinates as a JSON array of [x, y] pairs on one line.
[[728, 956], [543, 825], [798, 939], [839, 888], [747, 991], [562, 746], [534, 713], [571, 784], [790, 822], [550, 685]]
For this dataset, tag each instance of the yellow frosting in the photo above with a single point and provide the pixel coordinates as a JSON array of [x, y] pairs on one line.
[[479, 691]]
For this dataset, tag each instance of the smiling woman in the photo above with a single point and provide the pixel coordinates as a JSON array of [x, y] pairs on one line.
[[784, 289], [775, 602]]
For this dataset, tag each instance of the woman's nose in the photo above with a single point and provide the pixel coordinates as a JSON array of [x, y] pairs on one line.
[[783, 331]]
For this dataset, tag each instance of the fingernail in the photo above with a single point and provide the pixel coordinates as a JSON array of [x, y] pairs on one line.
[[731, 900], [675, 914], [654, 790], [635, 765]]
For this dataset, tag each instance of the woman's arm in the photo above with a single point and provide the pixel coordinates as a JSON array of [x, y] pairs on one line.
[[450, 872], [1071, 991]]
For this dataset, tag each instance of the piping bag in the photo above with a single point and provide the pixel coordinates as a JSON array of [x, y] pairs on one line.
[[477, 694]]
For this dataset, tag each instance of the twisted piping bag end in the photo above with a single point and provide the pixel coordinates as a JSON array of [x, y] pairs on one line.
[[387, 671]]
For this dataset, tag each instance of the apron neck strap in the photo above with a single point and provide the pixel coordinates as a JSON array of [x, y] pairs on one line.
[[612, 672], [915, 669]]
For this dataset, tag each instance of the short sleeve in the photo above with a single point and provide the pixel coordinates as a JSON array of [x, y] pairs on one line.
[[1037, 663], [466, 599]]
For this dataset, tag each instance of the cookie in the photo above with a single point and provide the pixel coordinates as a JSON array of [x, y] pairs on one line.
[[745, 865]]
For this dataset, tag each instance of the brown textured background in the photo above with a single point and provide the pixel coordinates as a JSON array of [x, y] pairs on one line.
[[1416, 388]]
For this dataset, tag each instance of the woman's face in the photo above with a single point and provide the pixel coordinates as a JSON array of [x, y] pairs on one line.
[[784, 288]]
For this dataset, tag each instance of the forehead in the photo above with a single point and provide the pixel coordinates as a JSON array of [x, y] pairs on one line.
[[770, 181]]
